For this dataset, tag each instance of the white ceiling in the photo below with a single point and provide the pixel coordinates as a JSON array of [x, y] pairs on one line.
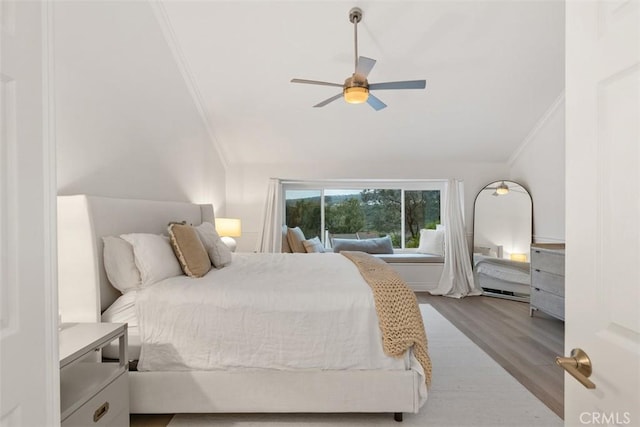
[[493, 68]]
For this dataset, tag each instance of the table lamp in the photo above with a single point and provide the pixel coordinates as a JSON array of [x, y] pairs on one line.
[[519, 257], [228, 228]]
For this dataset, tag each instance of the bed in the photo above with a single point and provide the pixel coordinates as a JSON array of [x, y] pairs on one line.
[[502, 277], [393, 385]]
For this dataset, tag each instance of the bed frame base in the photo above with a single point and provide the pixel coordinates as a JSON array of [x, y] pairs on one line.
[[274, 391]]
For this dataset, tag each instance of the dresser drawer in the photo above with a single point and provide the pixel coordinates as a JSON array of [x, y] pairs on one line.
[[112, 402], [547, 302], [547, 261], [548, 282]]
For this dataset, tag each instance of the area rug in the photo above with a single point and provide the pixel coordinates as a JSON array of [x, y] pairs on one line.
[[468, 389]]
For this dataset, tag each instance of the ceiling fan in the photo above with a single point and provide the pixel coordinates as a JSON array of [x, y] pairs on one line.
[[502, 189], [356, 89]]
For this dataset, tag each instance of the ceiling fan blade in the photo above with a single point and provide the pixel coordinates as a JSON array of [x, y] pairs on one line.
[[364, 66], [407, 84], [375, 102], [326, 101], [315, 82]]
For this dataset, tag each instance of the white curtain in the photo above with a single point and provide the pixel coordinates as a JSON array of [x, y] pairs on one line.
[[271, 237], [457, 277]]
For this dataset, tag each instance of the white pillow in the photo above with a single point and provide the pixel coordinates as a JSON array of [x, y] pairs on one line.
[[431, 242], [295, 237], [154, 257], [120, 264], [313, 245], [219, 253]]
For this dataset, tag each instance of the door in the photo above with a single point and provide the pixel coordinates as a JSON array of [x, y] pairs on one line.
[[29, 363], [603, 209]]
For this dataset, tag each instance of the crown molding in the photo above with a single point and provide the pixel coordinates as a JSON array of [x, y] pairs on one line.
[[183, 65], [536, 129]]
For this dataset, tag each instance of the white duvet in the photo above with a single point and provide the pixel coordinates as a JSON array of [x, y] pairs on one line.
[[265, 311]]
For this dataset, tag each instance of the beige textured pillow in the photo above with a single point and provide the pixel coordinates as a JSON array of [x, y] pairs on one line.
[[295, 237], [285, 243], [189, 250]]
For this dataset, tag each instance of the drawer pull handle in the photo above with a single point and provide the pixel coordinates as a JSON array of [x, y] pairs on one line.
[[538, 270], [100, 412]]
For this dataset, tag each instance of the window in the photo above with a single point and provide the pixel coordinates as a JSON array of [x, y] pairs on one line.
[[421, 210], [398, 210], [303, 210]]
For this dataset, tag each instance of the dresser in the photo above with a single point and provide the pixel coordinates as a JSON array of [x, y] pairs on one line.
[[93, 392], [547, 279]]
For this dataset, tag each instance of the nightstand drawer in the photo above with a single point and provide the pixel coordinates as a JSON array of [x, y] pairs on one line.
[[547, 261], [548, 282], [109, 407], [547, 302]]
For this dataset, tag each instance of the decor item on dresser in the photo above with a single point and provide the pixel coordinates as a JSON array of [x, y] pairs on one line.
[[228, 228], [230, 341], [502, 228], [547, 279]]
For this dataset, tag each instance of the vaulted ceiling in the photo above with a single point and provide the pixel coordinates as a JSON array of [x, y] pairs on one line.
[[493, 68]]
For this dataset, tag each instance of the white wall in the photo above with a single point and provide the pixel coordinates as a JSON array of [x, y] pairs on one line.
[[247, 184], [126, 125], [540, 166]]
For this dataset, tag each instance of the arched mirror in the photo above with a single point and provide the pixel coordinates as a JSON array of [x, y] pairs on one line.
[[502, 222]]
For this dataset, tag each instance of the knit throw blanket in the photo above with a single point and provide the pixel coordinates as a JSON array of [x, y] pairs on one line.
[[397, 308]]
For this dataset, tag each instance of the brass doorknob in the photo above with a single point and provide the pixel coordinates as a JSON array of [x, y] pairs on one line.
[[578, 365]]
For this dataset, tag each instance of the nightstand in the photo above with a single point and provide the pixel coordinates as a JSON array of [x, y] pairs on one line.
[[93, 392]]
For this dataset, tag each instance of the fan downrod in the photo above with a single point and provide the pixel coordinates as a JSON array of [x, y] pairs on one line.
[[355, 15]]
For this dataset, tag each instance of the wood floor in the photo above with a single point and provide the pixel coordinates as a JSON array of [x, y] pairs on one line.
[[524, 346]]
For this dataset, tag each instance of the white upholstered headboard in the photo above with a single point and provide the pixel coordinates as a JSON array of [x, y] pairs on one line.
[[83, 288]]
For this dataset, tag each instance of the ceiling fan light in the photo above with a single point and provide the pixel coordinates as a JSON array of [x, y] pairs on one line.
[[356, 95], [502, 189]]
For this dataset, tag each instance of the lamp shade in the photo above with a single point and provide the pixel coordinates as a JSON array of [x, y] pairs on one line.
[[356, 95], [229, 227]]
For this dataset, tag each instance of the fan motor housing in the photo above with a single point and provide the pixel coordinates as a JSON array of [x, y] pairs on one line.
[[353, 81]]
